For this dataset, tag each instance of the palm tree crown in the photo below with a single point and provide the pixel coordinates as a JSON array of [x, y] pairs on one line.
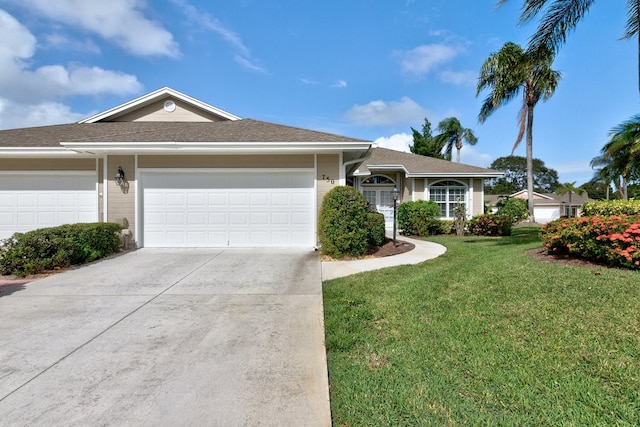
[[451, 134], [512, 71], [560, 17]]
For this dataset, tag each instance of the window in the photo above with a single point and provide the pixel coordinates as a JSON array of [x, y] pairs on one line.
[[447, 194], [378, 180]]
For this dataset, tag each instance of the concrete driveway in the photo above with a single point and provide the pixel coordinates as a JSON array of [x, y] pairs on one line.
[[229, 337]]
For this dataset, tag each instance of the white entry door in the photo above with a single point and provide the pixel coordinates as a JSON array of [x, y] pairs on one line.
[[381, 200], [29, 201], [228, 209]]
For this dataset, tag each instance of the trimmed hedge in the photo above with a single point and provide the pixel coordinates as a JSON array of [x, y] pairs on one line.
[[490, 225], [375, 229], [57, 247], [614, 240], [419, 218], [611, 207], [343, 223]]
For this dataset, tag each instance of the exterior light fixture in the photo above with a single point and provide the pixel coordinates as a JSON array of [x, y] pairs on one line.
[[395, 194], [119, 178]]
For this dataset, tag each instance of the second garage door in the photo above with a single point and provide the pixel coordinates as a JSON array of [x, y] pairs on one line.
[[228, 209], [29, 201]]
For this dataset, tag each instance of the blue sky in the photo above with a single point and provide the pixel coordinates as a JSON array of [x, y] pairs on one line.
[[358, 68]]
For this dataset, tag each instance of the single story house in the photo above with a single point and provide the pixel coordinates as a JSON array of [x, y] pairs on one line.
[[420, 178], [182, 173], [549, 206]]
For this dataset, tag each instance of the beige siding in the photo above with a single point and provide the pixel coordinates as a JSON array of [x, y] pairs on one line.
[[478, 202], [48, 164], [327, 174], [282, 161], [155, 112], [121, 204], [419, 188]]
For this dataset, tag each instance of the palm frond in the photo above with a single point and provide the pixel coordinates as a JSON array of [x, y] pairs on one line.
[[558, 20]]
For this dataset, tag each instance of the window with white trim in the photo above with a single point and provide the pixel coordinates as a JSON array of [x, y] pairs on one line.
[[447, 194]]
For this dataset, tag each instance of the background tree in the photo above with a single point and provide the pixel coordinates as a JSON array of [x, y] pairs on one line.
[[569, 188], [560, 17], [451, 135], [506, 74], [545, 180], [598, 189], [424, 143]]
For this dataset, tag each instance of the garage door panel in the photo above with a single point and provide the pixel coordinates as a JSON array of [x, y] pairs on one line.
[[30, 201], [230, 209]]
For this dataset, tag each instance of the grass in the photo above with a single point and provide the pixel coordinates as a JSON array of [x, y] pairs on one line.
[[484, 335]]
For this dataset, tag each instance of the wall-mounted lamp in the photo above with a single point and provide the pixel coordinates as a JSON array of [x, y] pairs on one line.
[[119, 178]]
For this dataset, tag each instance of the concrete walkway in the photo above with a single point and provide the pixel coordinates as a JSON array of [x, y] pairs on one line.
[[168, 338], [422, 252]]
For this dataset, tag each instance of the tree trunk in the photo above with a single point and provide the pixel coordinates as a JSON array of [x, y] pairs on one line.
[[530, 162], [458, 147]]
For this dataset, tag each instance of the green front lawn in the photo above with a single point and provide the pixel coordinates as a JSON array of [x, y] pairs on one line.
[[484, 335]]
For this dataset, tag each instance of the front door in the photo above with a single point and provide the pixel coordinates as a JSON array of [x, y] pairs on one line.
[[381, 200]]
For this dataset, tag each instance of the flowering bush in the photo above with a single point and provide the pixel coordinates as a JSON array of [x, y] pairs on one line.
[[611, 207], [614, 239], [491, 225]]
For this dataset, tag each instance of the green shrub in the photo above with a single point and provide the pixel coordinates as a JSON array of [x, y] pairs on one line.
[[56, 247], [419, 218], [611, 207], [375, 229], [445, 226], [490, 225], [343, 223], [614, 239], [516, 208]]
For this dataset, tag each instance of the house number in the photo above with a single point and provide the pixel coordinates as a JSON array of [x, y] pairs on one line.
[[328, 179]]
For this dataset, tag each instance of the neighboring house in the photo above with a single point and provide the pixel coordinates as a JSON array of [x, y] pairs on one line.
[[182, 173], [549, 206], [420, 178]]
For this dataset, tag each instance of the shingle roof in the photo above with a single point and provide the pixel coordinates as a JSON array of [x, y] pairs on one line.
[[245, 130], [415, 164]]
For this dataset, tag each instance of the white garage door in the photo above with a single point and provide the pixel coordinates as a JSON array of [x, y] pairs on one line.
[[228, 209], [31, 201]]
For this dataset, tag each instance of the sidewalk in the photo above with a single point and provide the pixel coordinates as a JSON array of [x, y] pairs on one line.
[[422, 252]]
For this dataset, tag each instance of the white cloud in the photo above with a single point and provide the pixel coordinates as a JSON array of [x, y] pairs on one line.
[[340, 84], [471, 156], [462, 78], [421, 60], [382, 113], [62, 42], [209, 22], [119, 21], [15, 115], [30, 95], [398, 142]]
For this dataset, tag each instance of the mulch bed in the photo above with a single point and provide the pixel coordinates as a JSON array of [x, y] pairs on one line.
[[541, 255]]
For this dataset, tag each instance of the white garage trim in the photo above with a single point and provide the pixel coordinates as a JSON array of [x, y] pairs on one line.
[[226, 207], [35, 199]]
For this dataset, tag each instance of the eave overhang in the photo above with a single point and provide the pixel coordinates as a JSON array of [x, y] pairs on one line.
[[401, 168], [213, 147]]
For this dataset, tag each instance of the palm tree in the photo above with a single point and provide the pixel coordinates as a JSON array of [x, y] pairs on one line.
[[569, 188], [620, 158], [608, 173], [451, 134], [509, 72], [560, 17]]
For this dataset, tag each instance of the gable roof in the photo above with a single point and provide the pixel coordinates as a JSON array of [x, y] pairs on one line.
[[417, 166], [162, 93], [226, 136], [544, 199]]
